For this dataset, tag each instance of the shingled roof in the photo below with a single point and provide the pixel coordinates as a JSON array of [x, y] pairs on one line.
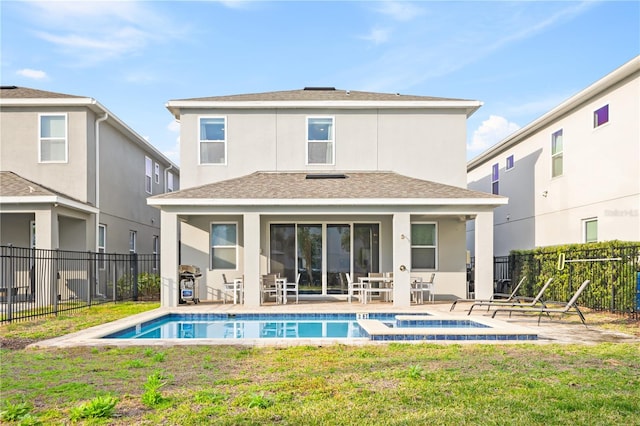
[[328, 186], [318, 94], [15, 92]]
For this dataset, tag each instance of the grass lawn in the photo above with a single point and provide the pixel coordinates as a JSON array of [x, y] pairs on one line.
[[394, 384]]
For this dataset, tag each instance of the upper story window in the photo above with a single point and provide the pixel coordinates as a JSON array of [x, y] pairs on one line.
[[53, 146], [320, 140], [601, 116], [510, 162], [224, 251], [157, 172], [495, 178], [156, 249], [556, 154], [148, 164], [170, 182], [424, 237], [213, 140]]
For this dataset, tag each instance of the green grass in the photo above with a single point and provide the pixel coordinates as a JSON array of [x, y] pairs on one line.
[[394, 384]]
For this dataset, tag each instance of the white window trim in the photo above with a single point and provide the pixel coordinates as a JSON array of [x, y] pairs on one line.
[[235, 246], [102, 228], [224, 141], [66, 138], [155, 246], [156, 170], [593, 116], [497, 180], [332, 141], [148, 174], [557, 154], [506, 163], [434, 246], [170, 182], [133, 234], [584, 229]]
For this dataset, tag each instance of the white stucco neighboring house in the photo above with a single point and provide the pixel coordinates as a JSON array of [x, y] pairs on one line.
[[572, 175], [323, 182]]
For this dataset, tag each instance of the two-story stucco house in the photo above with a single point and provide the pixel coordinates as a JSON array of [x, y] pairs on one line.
[[324, 182], [572, 175], [73, 176]]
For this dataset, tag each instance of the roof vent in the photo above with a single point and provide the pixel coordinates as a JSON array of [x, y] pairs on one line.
[[319, 88], [8, 87], [326, 176]]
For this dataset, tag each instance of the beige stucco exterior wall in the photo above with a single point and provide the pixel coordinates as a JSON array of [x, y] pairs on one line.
[[601, 177], [372, 140]]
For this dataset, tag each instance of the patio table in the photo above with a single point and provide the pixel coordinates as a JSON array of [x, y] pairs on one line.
[[385, 286]]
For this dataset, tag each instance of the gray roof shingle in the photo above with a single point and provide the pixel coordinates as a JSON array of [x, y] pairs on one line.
[[13, 185], [15, 92], [296, 185], [318, 95]]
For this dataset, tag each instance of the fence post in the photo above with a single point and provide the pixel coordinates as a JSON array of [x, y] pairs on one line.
[[55, 276], [9, 283], [91, 277], [134, 259]]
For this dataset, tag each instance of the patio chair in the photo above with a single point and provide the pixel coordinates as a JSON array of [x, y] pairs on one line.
[[232, 289], [419, 287], [354, 288], [268, 287], [517, 301], [543, 309], [292, 288], [502, 297]]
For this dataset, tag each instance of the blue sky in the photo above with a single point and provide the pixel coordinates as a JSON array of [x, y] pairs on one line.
[[520, 58]]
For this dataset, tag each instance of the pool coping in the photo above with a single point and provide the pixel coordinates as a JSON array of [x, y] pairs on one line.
[[377, 332]]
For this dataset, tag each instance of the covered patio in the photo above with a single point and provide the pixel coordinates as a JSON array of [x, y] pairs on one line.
[[322, 226]]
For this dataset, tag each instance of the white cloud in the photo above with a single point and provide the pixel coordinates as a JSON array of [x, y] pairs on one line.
[[490, 132], [95, 31], [174, 152], [33, 74], [173, 126], [400, 11], [377, 35]]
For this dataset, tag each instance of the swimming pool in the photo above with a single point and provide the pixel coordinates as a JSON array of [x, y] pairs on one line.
[[373, 326]]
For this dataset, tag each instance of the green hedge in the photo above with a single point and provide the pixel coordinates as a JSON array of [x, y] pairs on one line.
[[613, 282]]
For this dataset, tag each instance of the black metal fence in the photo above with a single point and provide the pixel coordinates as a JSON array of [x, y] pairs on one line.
[[613, 272], [36, 282]]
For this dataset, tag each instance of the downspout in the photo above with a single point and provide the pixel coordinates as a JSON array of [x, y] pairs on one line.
[[166, 177]]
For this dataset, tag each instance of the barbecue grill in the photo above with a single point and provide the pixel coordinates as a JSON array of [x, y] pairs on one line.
[[188, 291]]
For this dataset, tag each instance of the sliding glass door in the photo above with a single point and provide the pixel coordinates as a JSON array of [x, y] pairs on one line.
[[323, 253]]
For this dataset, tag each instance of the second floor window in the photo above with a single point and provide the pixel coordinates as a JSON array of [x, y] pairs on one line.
[[590, 230], [213, 140], [601, 116], [157, 172], [53, 138], [148, 164], [170, 182], [556, 154], [495, 178], [320, 142], [510, 163]]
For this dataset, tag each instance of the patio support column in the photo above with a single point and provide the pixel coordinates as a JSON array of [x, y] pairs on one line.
[[484, 255], [252, 256], [169, 238], [46, 239], [401, 260]]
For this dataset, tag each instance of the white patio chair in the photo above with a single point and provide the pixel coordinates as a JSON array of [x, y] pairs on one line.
[[354, 288], [292, 288], [268, 287]]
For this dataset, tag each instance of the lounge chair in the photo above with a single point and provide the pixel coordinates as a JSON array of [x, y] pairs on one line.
[[518, 301], [543, 309], [496, 296]]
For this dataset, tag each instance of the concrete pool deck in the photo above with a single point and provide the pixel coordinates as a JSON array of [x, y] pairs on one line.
[[550, 330]]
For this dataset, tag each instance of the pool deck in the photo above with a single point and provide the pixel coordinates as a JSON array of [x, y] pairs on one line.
[[550, 330]]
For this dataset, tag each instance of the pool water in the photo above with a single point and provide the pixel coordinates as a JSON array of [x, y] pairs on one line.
[[265, 326]]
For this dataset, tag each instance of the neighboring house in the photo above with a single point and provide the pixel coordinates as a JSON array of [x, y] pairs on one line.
[[322, 182], [73, 176], [572, 175]]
